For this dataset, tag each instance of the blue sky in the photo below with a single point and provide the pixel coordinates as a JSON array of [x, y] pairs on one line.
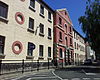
[[76, 8]]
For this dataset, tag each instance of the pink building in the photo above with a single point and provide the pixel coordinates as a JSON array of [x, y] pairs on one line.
[[63, 37]]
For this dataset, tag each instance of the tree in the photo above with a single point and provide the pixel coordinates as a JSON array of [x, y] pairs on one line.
[[90, 24]]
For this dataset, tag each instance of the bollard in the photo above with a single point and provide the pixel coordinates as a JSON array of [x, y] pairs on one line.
[[38, 65], [48, 63], [0, 66], [23, 66]]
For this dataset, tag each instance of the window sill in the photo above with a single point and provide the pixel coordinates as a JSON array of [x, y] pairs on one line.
[[49, 58], [60, 58], [60, 25], [33, 9], [41, 57], [3, 19], [49, 37], [42, 15], [50, 20], [30, 30], [60, 40], [41, 34], [2, 56], [29, 57]]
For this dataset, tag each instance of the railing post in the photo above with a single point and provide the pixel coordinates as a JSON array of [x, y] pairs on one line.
[[38, 65], [0, 66], [23, 66], [48, 63]]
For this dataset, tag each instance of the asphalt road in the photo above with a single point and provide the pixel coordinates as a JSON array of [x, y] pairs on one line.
[[72, 73]]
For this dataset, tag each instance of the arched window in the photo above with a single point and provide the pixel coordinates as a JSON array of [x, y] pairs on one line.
[[66, 41], [66, 28]]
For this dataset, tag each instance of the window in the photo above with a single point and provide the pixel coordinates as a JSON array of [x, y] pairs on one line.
[[60, 35], [3, 10], [66, 41], [49, 15], [49, 32], [41, 28], [71, 54], [41, 50], [66, 27], [60, 21], [75, 45], [60, 51], [31, 23], [32, 3], [2, 42], [71, 41], [42, 10], [30, 49], [49, 51], [70, 29]]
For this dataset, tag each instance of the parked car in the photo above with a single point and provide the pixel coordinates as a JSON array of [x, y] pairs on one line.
[[88, 62]]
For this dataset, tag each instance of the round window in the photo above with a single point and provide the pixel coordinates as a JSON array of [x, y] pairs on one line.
[[17, 47], [19, 18]]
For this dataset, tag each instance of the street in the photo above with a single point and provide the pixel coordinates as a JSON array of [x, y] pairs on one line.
[[69, 73]]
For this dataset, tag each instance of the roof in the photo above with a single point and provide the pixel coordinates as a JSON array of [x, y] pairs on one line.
[[78, 33]]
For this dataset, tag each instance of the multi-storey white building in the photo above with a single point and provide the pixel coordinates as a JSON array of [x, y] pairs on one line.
[[26, 30], [79, 47]]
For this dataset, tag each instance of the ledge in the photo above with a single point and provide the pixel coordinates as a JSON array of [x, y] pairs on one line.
[[49, 58], [30, 30], [41, 57], [41, 34], [49, 37], [33, 9], [29, 57], [3, 19], [2, 56], [60, 40], [50, 20], [42, 15]]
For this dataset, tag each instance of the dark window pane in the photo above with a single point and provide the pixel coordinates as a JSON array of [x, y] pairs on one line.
[[49, 15], [60, 20], [60, 35], [60, 53], [2, 41], [41, 28], [3, 10], [49, 51], [32, 3], [41, 50], [30, 50], [42, 9], [49, 32], [31, 23]]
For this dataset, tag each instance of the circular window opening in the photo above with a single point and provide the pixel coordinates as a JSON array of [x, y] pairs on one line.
[[17, 47], [19, 18]]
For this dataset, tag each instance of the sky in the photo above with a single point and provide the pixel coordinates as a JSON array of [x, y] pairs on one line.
[[76, 8]]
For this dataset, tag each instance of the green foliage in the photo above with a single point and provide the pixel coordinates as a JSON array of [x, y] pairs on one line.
[[90, 24]]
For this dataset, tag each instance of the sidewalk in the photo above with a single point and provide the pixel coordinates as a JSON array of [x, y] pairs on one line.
[[18, 75]]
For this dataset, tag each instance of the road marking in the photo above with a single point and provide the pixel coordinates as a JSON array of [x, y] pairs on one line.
[[86, 78], [29, 79], [56, 75], [96, 78], [41, 78], [90, 74], [76, 79]]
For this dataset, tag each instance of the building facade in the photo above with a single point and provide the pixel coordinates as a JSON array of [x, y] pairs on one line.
[[79, 47], [90, 54], [26, 30], [63, 37]]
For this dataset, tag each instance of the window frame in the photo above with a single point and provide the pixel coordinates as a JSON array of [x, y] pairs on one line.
[[49, 51]]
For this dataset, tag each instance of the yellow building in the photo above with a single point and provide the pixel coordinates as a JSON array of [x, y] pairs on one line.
[[26, 30], [79, 47]]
